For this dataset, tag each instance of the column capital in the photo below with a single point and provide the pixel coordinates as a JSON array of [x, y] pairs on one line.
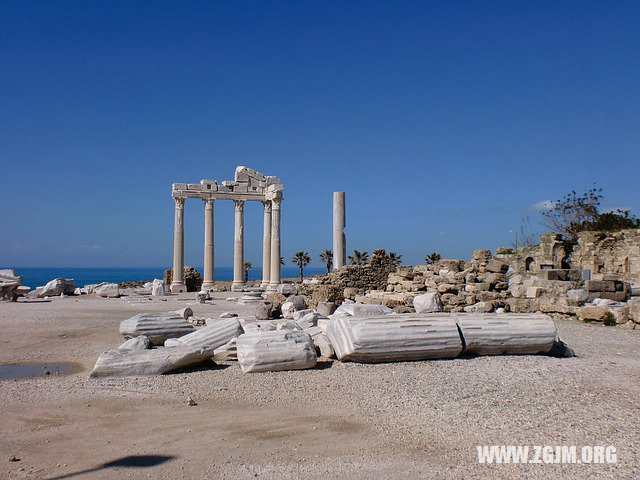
[[267, 205], [179, 201], [208, 201], [275, 203], [239, 204]]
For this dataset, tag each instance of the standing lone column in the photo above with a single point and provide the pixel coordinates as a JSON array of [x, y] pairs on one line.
[[209, 249], [274, 279], [238, 247], [266, 245], [339, 240], [177, 281]]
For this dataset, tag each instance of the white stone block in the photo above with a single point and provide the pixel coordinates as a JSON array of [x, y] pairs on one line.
[[427, 303], [276, 350]]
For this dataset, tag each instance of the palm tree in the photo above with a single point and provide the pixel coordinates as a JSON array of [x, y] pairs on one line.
[[301, 259], [327, 258], [358, 258], [394, 259], [432, 258], [247, 267]]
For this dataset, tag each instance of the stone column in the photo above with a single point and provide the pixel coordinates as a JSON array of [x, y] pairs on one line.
[[177, 282], [266, 245], [339, 240], [274, 279], [238, 247], [209, 248]]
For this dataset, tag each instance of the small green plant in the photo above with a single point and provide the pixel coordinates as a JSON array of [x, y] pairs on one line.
[[609, 319]]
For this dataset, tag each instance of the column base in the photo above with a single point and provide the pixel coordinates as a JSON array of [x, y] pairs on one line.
[[264, 285], [178, 288], [208, 284], [237, 286], [273, 287]]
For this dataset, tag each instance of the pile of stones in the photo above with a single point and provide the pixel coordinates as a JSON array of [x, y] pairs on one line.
[[159, 343], [484, 284], [479, 285]]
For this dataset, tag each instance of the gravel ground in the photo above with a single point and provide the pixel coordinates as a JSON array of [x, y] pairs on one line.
[[396, 420]]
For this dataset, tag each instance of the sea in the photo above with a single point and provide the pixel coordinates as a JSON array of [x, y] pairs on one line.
[[35, 277]]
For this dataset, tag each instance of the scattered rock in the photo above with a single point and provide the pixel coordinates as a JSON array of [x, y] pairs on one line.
[[140, 342], [427, 303], [287, 289], [157, 288], [107, 290], [326, 308]]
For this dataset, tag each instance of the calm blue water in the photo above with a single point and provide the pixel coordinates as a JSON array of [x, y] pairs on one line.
[[34, 277]]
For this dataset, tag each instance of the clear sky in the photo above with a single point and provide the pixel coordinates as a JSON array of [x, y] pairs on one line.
[[444, 122]]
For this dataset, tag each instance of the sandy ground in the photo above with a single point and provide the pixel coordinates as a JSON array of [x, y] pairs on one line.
[[398, 420]]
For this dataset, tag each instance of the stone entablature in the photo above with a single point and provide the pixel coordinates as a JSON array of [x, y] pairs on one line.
[[248, 185]]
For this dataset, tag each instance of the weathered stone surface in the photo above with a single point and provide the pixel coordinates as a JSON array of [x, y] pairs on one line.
[[298, 301], [604, 313], [184, 312], [496, 266], [58, 286], [107, 290], [277, 350], [322, 343], [276, 298], [309, 319], [227, 352], [577, 296], [262, 310], [427, 303], [534, 292], [506, 333], [138, 343], [326, 308], [261, 326], [479, 307], [228, 315], [288, 310], [600, 285], [157, 326], [634, 310], [287, 289], [615, 296], [123, 363], [390, 338], [214, 335], [360, 310], [157, 288]]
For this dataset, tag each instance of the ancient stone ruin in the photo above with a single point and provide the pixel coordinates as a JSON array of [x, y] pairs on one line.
[[247, 185]]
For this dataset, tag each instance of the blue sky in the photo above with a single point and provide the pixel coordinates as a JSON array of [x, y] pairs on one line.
[[445, 122]]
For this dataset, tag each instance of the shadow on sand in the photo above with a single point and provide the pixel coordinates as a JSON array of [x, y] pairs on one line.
[[131, 461]]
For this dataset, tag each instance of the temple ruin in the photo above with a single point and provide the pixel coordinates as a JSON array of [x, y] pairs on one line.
[[247, 185]]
